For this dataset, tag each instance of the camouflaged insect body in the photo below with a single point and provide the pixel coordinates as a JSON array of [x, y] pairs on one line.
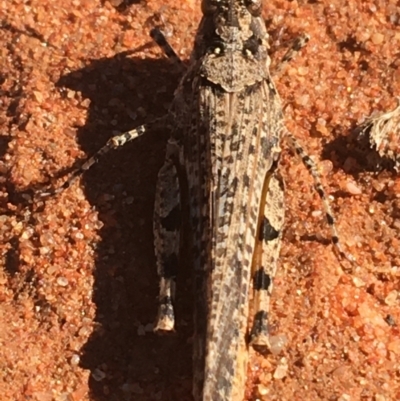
[[230, 139], [221, 175], [226, 125]]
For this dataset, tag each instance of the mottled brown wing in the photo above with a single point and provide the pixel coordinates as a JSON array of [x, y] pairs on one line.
[[240, 134]]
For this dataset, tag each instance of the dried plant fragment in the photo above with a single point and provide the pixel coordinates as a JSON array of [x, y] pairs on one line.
[[383, 133]]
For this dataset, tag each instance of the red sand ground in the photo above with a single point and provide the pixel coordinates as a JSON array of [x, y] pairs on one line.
[[77, 280]]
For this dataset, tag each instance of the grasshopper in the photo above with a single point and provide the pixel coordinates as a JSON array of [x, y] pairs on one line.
[[226, 124]]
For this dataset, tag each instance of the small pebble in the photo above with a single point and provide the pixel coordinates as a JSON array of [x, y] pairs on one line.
[[98, 375], [262, 390], [377, 38], [277, 343], [391, 298], [282, 369], [352, 188], [62, 281], [316, 213], [358, 282], [75, 359]]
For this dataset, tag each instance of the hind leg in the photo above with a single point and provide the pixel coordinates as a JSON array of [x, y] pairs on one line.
[[266, 257], [166, 226]]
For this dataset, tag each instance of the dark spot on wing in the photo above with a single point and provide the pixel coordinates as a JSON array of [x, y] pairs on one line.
[[267, 232], [172, 221], [261, 280]]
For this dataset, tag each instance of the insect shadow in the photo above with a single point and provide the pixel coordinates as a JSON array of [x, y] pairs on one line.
[[127, 361]]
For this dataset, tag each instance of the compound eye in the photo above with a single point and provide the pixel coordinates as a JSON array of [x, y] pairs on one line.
[[252, 46], [254, 6], [208, 7]]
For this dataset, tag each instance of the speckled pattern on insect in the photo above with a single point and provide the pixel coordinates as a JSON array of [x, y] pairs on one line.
[[226, 128]]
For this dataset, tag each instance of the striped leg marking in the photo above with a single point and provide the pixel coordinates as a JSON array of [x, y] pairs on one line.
[[122, 139], [311, 167], [297, 45], [266, 257], [166, 226], [113, 143]]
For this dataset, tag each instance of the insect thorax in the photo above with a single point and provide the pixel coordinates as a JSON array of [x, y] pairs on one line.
[[231, 44]]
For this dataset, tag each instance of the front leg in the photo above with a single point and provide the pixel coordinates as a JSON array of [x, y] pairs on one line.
[[158, 37], [166, 226]]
